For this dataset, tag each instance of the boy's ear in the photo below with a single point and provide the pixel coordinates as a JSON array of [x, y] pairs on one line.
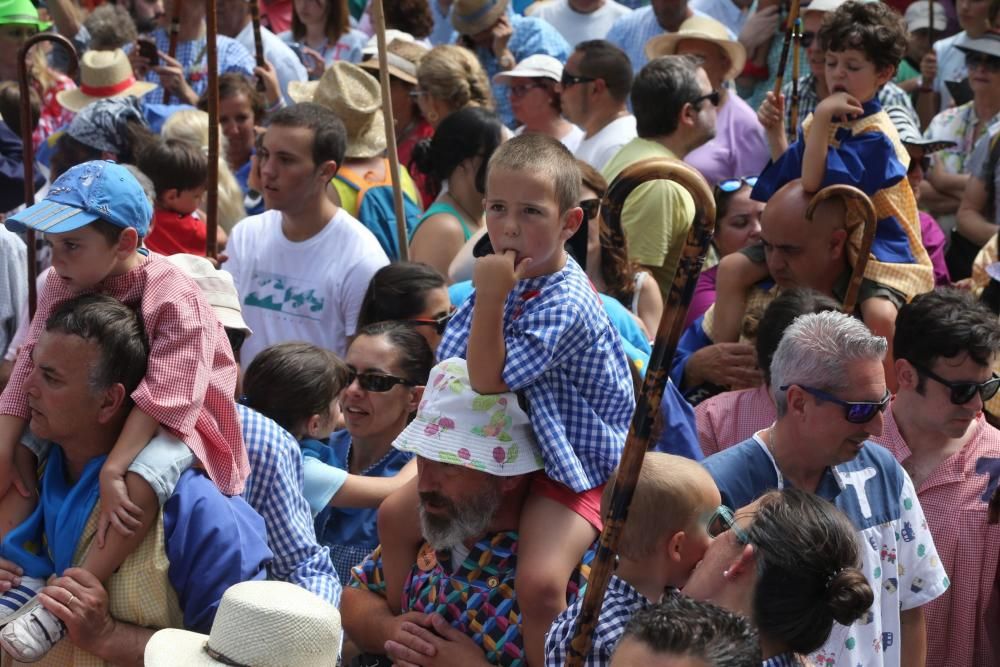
[[572, 219], [169, 196], [675, 545], [885, 75], [128, 241], [328, 170]]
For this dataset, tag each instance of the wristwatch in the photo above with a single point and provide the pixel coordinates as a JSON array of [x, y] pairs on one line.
[[506, 60]]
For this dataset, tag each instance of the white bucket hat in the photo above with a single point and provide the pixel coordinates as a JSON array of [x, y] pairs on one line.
[[259, 623], [218, 287], [485, 432]]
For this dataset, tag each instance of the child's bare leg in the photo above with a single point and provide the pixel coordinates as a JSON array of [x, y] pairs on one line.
[[552, 540], [102, 562], [879, 315], [15, 508], [737, 274], [400, 536]]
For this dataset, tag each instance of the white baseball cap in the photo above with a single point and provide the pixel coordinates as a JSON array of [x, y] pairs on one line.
[[539, 66]]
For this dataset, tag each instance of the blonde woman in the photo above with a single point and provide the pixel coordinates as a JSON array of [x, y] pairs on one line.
[[192, 125], [450, 78]]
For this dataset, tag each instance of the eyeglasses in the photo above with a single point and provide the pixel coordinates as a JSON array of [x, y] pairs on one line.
[[856, 412], [522, 89], [417, 93], [722, 520], [963, 392], [377, 382], [806, 39], [591, 207], [973, 60], [439, 324], [568, 79], [712, 97], [731, 185]]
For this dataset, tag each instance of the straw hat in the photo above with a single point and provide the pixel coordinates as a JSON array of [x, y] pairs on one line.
[[21, 12], [707, 30], [103, 74], [218, 287], [403, 54], [259, 623], [356, 98], [470, 17]]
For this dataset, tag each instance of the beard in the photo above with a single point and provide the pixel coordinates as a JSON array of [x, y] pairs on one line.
[[459, 521]]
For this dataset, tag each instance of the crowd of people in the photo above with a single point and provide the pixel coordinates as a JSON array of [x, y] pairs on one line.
[[311, 432]]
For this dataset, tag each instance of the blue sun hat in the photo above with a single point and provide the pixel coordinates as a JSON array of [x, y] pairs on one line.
[[99, 189]]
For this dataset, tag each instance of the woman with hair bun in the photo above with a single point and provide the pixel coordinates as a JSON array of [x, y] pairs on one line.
[[450, 78], [790, 562]]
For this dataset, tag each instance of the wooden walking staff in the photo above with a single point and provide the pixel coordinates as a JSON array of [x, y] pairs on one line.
[[796, 55], [258, 43], [793, 15], [175, 35], [212, 205], [28, 147], [860, 203], [378, 19], [648, 405]]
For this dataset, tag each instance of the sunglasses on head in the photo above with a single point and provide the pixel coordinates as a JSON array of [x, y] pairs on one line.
[[856, 412], [439, 324], [972, 60], [568, 79], [376, 382], [591, 207], [731, 185], [722, 520], [712, 97], [963, 392]]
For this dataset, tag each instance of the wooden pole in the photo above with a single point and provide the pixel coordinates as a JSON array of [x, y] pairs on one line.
[[793, 15], [796, 56], [212, 206], [648, 405], [930, 26], [28, 146], [175, 35], [258, 42], [378, 19]]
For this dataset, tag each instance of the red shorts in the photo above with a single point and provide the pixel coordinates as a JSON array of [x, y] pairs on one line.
[[586, 504]]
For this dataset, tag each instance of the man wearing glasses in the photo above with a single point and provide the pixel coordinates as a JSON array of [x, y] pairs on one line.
[[830, 394], [946, 346]]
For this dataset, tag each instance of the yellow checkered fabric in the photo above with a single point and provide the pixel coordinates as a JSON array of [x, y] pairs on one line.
[[757, 301]]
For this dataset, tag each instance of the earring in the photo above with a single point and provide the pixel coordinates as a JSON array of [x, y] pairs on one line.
[[431, 116]]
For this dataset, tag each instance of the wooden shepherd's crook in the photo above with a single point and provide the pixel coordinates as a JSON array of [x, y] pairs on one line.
[[28, 147], [793, 14], [796, 53], [175, 35], [258, 42], [378, 18], [648, 405], [212, 91]]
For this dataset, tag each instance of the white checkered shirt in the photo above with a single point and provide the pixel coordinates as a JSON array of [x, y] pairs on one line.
[[563, 353]]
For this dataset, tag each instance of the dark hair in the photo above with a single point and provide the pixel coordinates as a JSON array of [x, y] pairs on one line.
[[70, 152], [398, 291], [684, 626], [415, 356], [616, 269], [174, 164], [411, 16], [232, 84], [777, 317], [660, 92], [945, 323], [329, 134], [807, 569], [723, 199], [338, 21], [603, 60], [291, 382], [10, 106], [873, 28], [466, 133], [117, 331]]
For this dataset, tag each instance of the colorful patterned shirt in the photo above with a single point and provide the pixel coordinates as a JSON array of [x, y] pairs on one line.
[[964, 623], [729, 418], [957, 124], [475, 596]]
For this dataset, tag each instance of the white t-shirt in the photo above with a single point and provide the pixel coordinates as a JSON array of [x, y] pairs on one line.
[[951, 66], [571, 140], [600, 148], [309, 290], [576, 27]]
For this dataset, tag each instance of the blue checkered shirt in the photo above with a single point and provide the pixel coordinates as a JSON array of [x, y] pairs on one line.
[[631, 32], [563, 353], [784, 660], [193, 57], [274, 489], [621, 600]]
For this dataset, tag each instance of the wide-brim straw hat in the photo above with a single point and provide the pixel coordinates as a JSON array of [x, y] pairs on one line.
[[21, 12], [707, 30], [259, 623], [470, 17], [103, 74], [402, 54], [356, 98]]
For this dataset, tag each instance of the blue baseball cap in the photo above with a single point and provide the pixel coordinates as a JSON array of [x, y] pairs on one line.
[[99, 189]]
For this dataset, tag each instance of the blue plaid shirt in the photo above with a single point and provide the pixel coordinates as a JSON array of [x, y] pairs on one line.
[[567, 358], [631, 32], [621, 600], [274, 489], [193, 57], [784, 660]]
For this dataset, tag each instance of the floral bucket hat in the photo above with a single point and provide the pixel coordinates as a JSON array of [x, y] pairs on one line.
[[455, 425]]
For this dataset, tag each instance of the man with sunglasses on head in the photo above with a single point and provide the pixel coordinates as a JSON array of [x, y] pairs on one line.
[[946, 346], [829, 390]]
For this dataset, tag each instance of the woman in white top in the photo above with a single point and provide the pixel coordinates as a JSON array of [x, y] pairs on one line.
[[321, 30], [535, 101]]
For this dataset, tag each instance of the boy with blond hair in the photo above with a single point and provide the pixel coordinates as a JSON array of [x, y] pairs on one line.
[[536, 326], [665, 535]]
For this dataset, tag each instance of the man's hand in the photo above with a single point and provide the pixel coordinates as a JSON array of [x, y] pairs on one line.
[[495, 275], [760, 27], [432, 642], [928, 68], [117, 509], [501, 33], [269, 77], [732, 365], [172, 78], [839, 106], [79, 600]]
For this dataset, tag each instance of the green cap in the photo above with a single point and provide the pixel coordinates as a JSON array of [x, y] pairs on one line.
[[21, 12]]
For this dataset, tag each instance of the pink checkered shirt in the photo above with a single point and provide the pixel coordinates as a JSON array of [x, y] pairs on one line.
[[191, 376], [730, 418], [963, 624]]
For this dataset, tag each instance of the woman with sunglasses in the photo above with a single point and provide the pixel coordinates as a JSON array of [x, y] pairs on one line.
[[387, 367], [789, 562], [454, 161], [412, 293], [531, 86]]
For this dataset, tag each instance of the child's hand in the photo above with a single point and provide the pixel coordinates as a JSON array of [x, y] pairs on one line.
[[494, 276], [840, 106], [772, 111], [117, 509]]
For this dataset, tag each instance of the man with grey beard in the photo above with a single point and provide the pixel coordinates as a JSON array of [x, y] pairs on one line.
[[476, 458]]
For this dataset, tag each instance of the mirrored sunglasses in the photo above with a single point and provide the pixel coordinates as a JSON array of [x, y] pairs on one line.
[[856, 412], [734, 184]]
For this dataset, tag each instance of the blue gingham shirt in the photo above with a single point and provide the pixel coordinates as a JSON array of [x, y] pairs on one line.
[[563, 353], [631, 32], [193, 57], [621, 600], [783, 660], [274, 489]]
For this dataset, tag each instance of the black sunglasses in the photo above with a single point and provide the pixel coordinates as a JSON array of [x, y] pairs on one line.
[[439, 324], [972, 60], [963, 392], [591, 207], [856, 412], [712, 97], [377, 382], [568, 79]]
